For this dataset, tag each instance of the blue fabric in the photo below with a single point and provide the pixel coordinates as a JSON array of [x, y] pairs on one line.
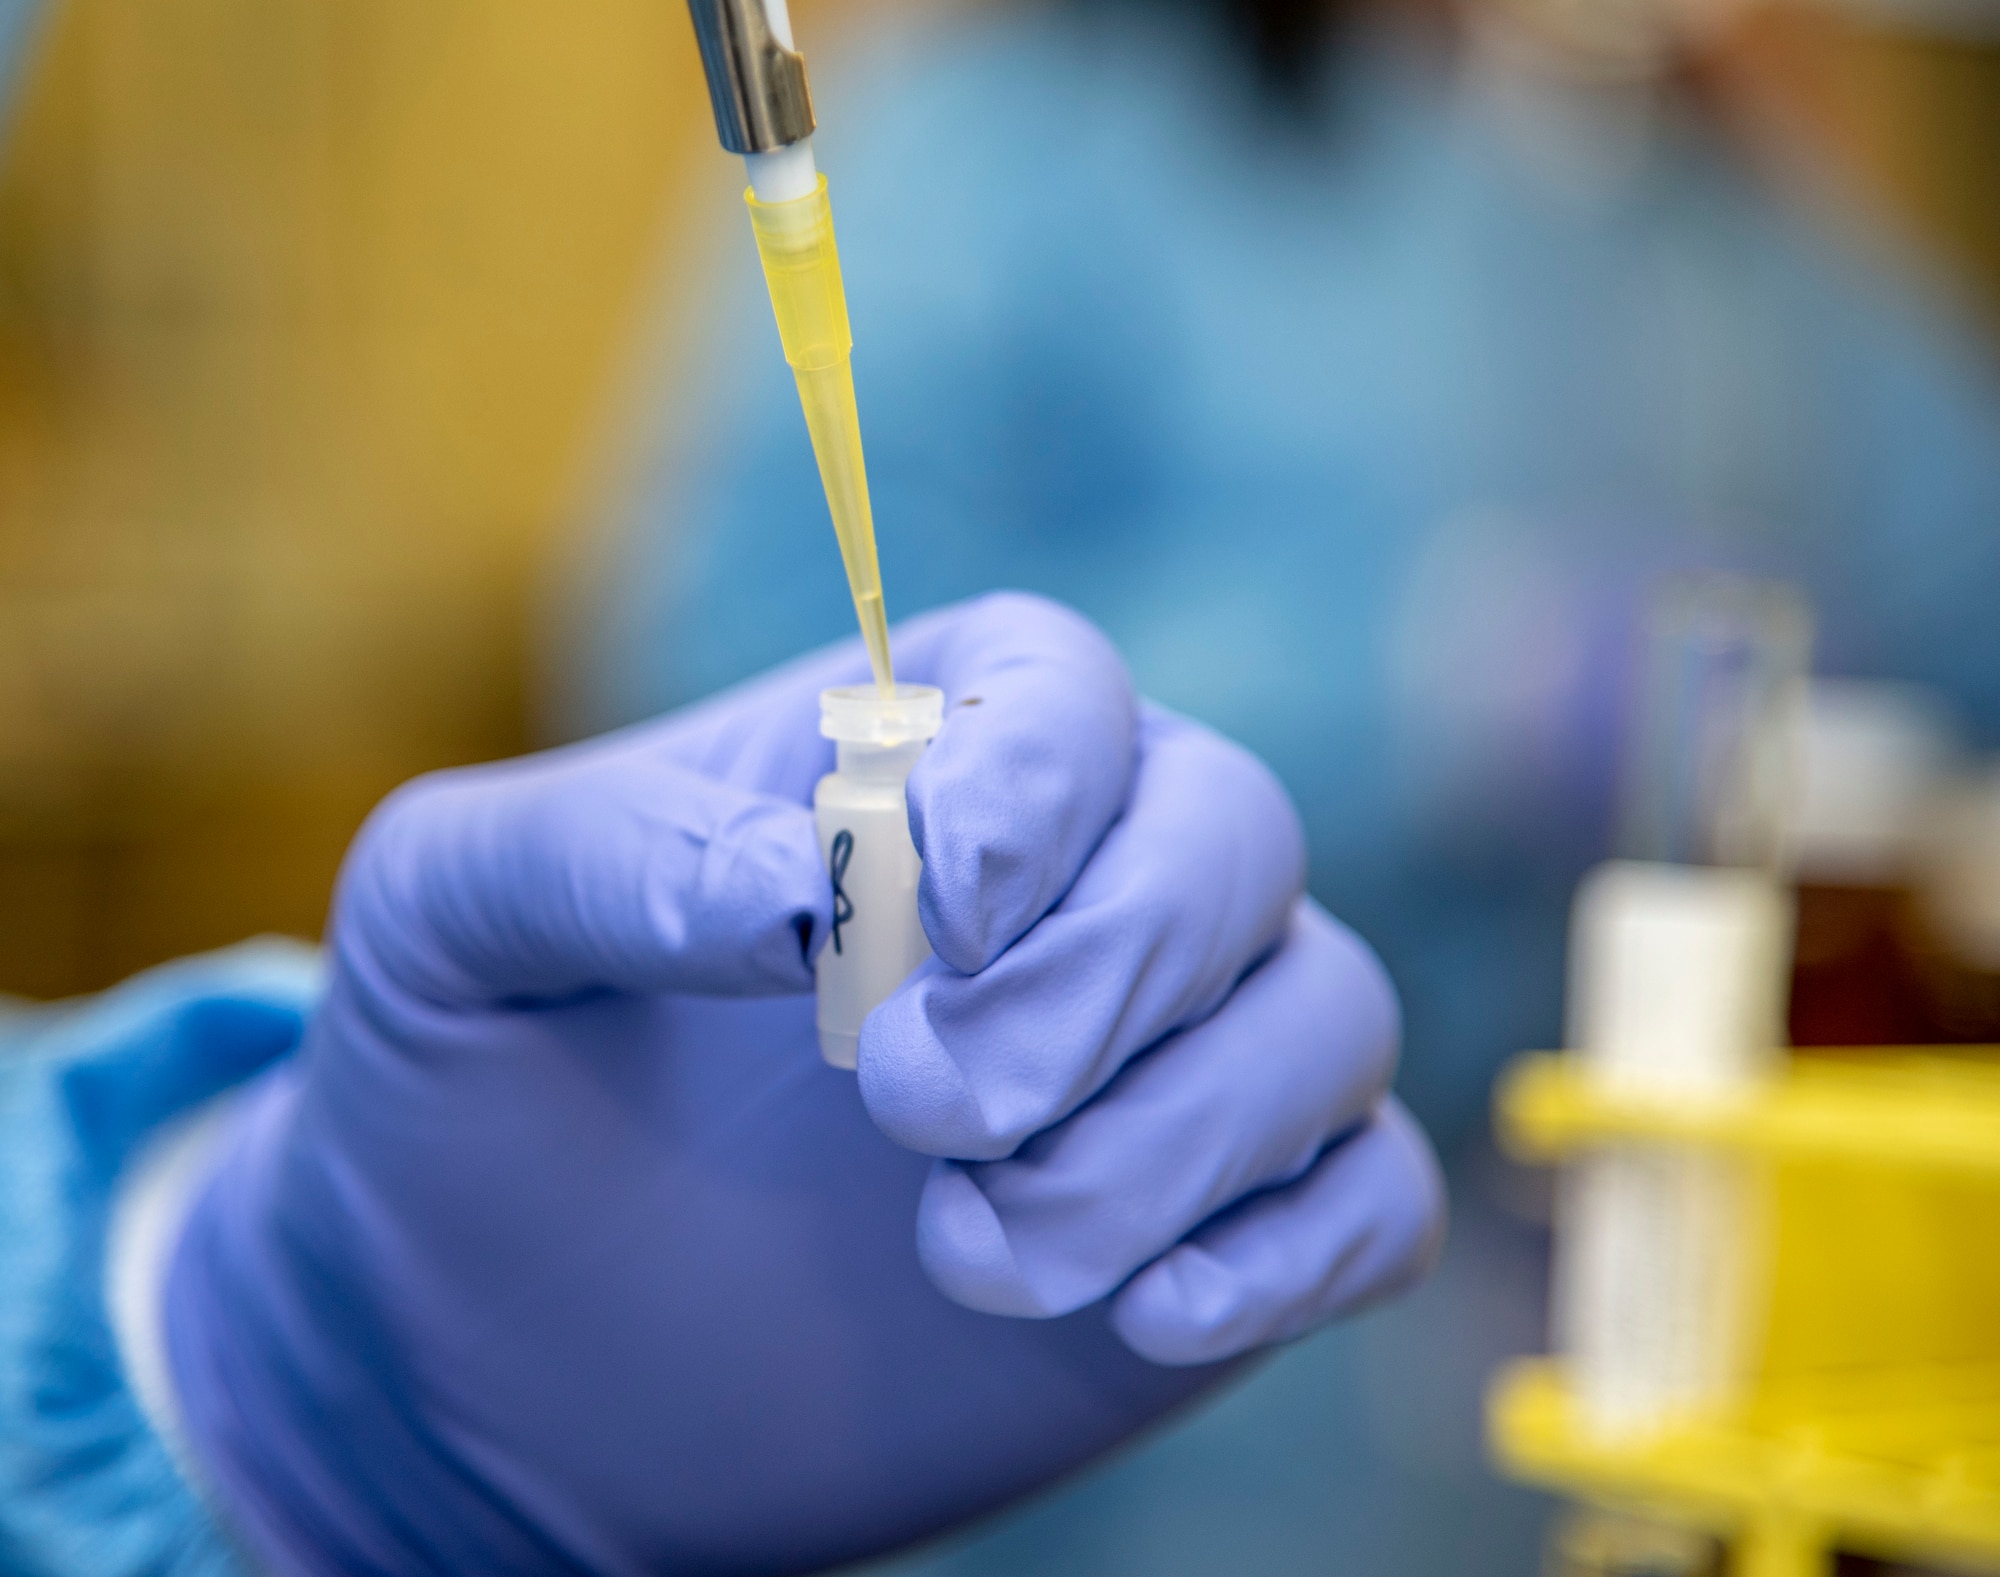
[[1312, 419], [86, 1487]]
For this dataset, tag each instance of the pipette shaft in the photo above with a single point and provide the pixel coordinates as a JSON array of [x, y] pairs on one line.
[[763, 110]]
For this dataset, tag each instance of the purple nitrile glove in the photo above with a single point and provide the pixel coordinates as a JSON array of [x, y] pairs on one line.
[[559, 1248]]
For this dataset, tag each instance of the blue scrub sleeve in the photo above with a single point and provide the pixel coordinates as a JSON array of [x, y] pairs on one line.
[[87, 1488]]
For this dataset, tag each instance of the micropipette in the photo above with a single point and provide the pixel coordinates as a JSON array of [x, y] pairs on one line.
[[763, 110]]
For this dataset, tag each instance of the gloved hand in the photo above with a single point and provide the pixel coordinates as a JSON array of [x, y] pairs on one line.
[[559, 1248]]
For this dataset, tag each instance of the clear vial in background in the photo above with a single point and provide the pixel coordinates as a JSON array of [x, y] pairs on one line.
[[1680, 952], [864, 838], [1711, 770]]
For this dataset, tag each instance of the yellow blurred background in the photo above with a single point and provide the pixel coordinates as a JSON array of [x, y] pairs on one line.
[[316, 321], [1904, 116], [311, 312]]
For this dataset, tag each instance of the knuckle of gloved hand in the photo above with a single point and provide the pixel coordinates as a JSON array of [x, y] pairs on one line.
[[463, 881], [967, 1251], [1033, 763], [394, 887], [973, 1065], [1386, 1186], [1187, 1308], [1365, 1223], [1414, 1200], [913, 1088], [1358, 1009], [1216, 912], [1002, 839], [739, 909], [1222, 801], [1030, 1237], [949, 1068]]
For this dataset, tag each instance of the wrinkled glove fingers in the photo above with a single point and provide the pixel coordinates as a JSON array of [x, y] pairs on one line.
[[679, 855], [1364, 1223], [554, 875], [1300, 1055], [1190, 887], [1033, 763]]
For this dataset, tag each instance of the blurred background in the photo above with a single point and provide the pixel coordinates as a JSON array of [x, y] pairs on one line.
[[320, 324], [313, 318], [384, 387]]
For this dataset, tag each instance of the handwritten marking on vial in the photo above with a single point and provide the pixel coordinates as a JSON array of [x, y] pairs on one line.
[[843, 906]]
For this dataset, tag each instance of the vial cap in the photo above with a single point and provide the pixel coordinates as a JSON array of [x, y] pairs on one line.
[[860, 714]]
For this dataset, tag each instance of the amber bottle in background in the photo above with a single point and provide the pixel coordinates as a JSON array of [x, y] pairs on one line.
[[1954, 923], [1875, 759], [1897, 855]]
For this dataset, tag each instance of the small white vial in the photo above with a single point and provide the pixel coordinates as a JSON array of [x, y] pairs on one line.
[[864, 837]]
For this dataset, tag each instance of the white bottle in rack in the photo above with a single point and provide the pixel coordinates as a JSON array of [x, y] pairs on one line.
[[1676, 993]]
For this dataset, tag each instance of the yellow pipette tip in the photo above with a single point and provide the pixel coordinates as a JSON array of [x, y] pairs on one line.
[[802, 267]]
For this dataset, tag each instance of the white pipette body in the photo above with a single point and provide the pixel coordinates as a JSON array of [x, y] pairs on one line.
[[787, 172]]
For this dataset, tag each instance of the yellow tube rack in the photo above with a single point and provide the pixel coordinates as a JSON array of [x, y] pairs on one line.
[[1871, 1419]]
